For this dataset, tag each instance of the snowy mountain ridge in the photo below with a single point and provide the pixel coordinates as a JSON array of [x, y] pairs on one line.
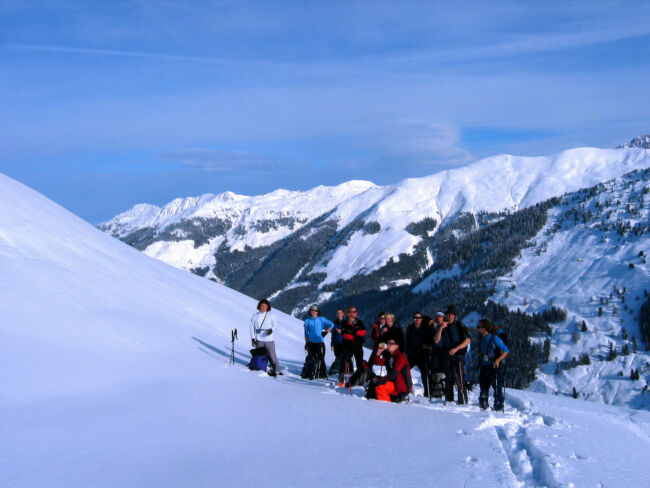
[[361, 227]]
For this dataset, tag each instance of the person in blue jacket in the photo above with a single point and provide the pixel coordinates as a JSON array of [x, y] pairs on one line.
[[316, 328], [492, 370]]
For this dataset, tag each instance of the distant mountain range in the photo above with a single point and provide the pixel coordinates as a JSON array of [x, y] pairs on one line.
[[328, 242], [537, 243]]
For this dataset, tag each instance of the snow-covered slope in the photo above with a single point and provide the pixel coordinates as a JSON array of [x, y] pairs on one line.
[[114, 372], [590, 260]]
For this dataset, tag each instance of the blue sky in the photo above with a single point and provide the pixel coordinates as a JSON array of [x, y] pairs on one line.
[[109, 104]]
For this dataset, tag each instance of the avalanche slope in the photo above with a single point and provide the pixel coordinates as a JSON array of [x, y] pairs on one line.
[[115, 372]]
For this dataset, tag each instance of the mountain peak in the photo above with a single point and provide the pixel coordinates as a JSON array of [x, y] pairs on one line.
[[642, 142]]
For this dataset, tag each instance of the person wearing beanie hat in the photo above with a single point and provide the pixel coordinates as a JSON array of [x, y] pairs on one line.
[[453, 338]]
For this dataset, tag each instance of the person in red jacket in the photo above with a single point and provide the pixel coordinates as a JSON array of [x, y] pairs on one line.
[[375, 332], [353, 333], [397, 383]]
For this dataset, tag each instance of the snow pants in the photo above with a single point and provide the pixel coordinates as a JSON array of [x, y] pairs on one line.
[[317, 351], [350, 350], [455, 376], [421, 360], [385, 391], [491, 377]]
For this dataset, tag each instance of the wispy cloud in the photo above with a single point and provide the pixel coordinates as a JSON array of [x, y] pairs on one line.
[[139, 54], [228, 162]]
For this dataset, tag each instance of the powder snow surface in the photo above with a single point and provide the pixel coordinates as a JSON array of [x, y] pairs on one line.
[[114, 372]]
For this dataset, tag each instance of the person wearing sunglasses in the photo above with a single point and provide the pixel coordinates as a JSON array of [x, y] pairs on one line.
[[419, 338], [397, 383], [316, 328], [353, 333]]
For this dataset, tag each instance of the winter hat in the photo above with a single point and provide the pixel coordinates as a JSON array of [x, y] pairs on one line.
[[314, 307], [440, 314], [451, 309]]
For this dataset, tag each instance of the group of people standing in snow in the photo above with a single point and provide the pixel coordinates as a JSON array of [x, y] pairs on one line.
[[437, 346]]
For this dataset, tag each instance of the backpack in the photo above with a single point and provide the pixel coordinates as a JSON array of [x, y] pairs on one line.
[[259, 359], [362, 375], [314, 367], [492, 347]]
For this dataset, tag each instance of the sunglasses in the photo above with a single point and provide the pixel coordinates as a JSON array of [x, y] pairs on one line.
[[391, 343], [418, 317]]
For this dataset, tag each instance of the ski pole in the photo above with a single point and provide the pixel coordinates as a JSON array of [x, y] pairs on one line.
[[427, 373], [233, 338]]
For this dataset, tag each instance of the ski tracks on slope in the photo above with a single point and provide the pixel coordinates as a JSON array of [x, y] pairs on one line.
[[528, 462]]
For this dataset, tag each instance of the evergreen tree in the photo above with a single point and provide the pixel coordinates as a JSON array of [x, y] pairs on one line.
[[575, 392], [584, 326], [626, 350], [611, 355], [547, 349]]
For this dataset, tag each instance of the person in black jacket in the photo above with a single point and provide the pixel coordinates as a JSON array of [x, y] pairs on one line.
[[436, 363], [391, 331], [453, 338], [336, 342], [419, 338]]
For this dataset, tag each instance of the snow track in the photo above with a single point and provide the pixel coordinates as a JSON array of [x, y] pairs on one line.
[[541, 447]]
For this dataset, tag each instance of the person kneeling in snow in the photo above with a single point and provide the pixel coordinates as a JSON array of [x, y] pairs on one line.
[[492, 353], [397, 384]]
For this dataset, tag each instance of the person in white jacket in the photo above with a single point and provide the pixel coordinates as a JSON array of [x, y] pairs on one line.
[[263, 325]]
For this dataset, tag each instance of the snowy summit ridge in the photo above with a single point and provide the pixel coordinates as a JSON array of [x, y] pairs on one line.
[[189, 233]]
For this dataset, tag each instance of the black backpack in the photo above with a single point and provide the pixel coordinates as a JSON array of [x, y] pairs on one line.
[[314, 367]]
